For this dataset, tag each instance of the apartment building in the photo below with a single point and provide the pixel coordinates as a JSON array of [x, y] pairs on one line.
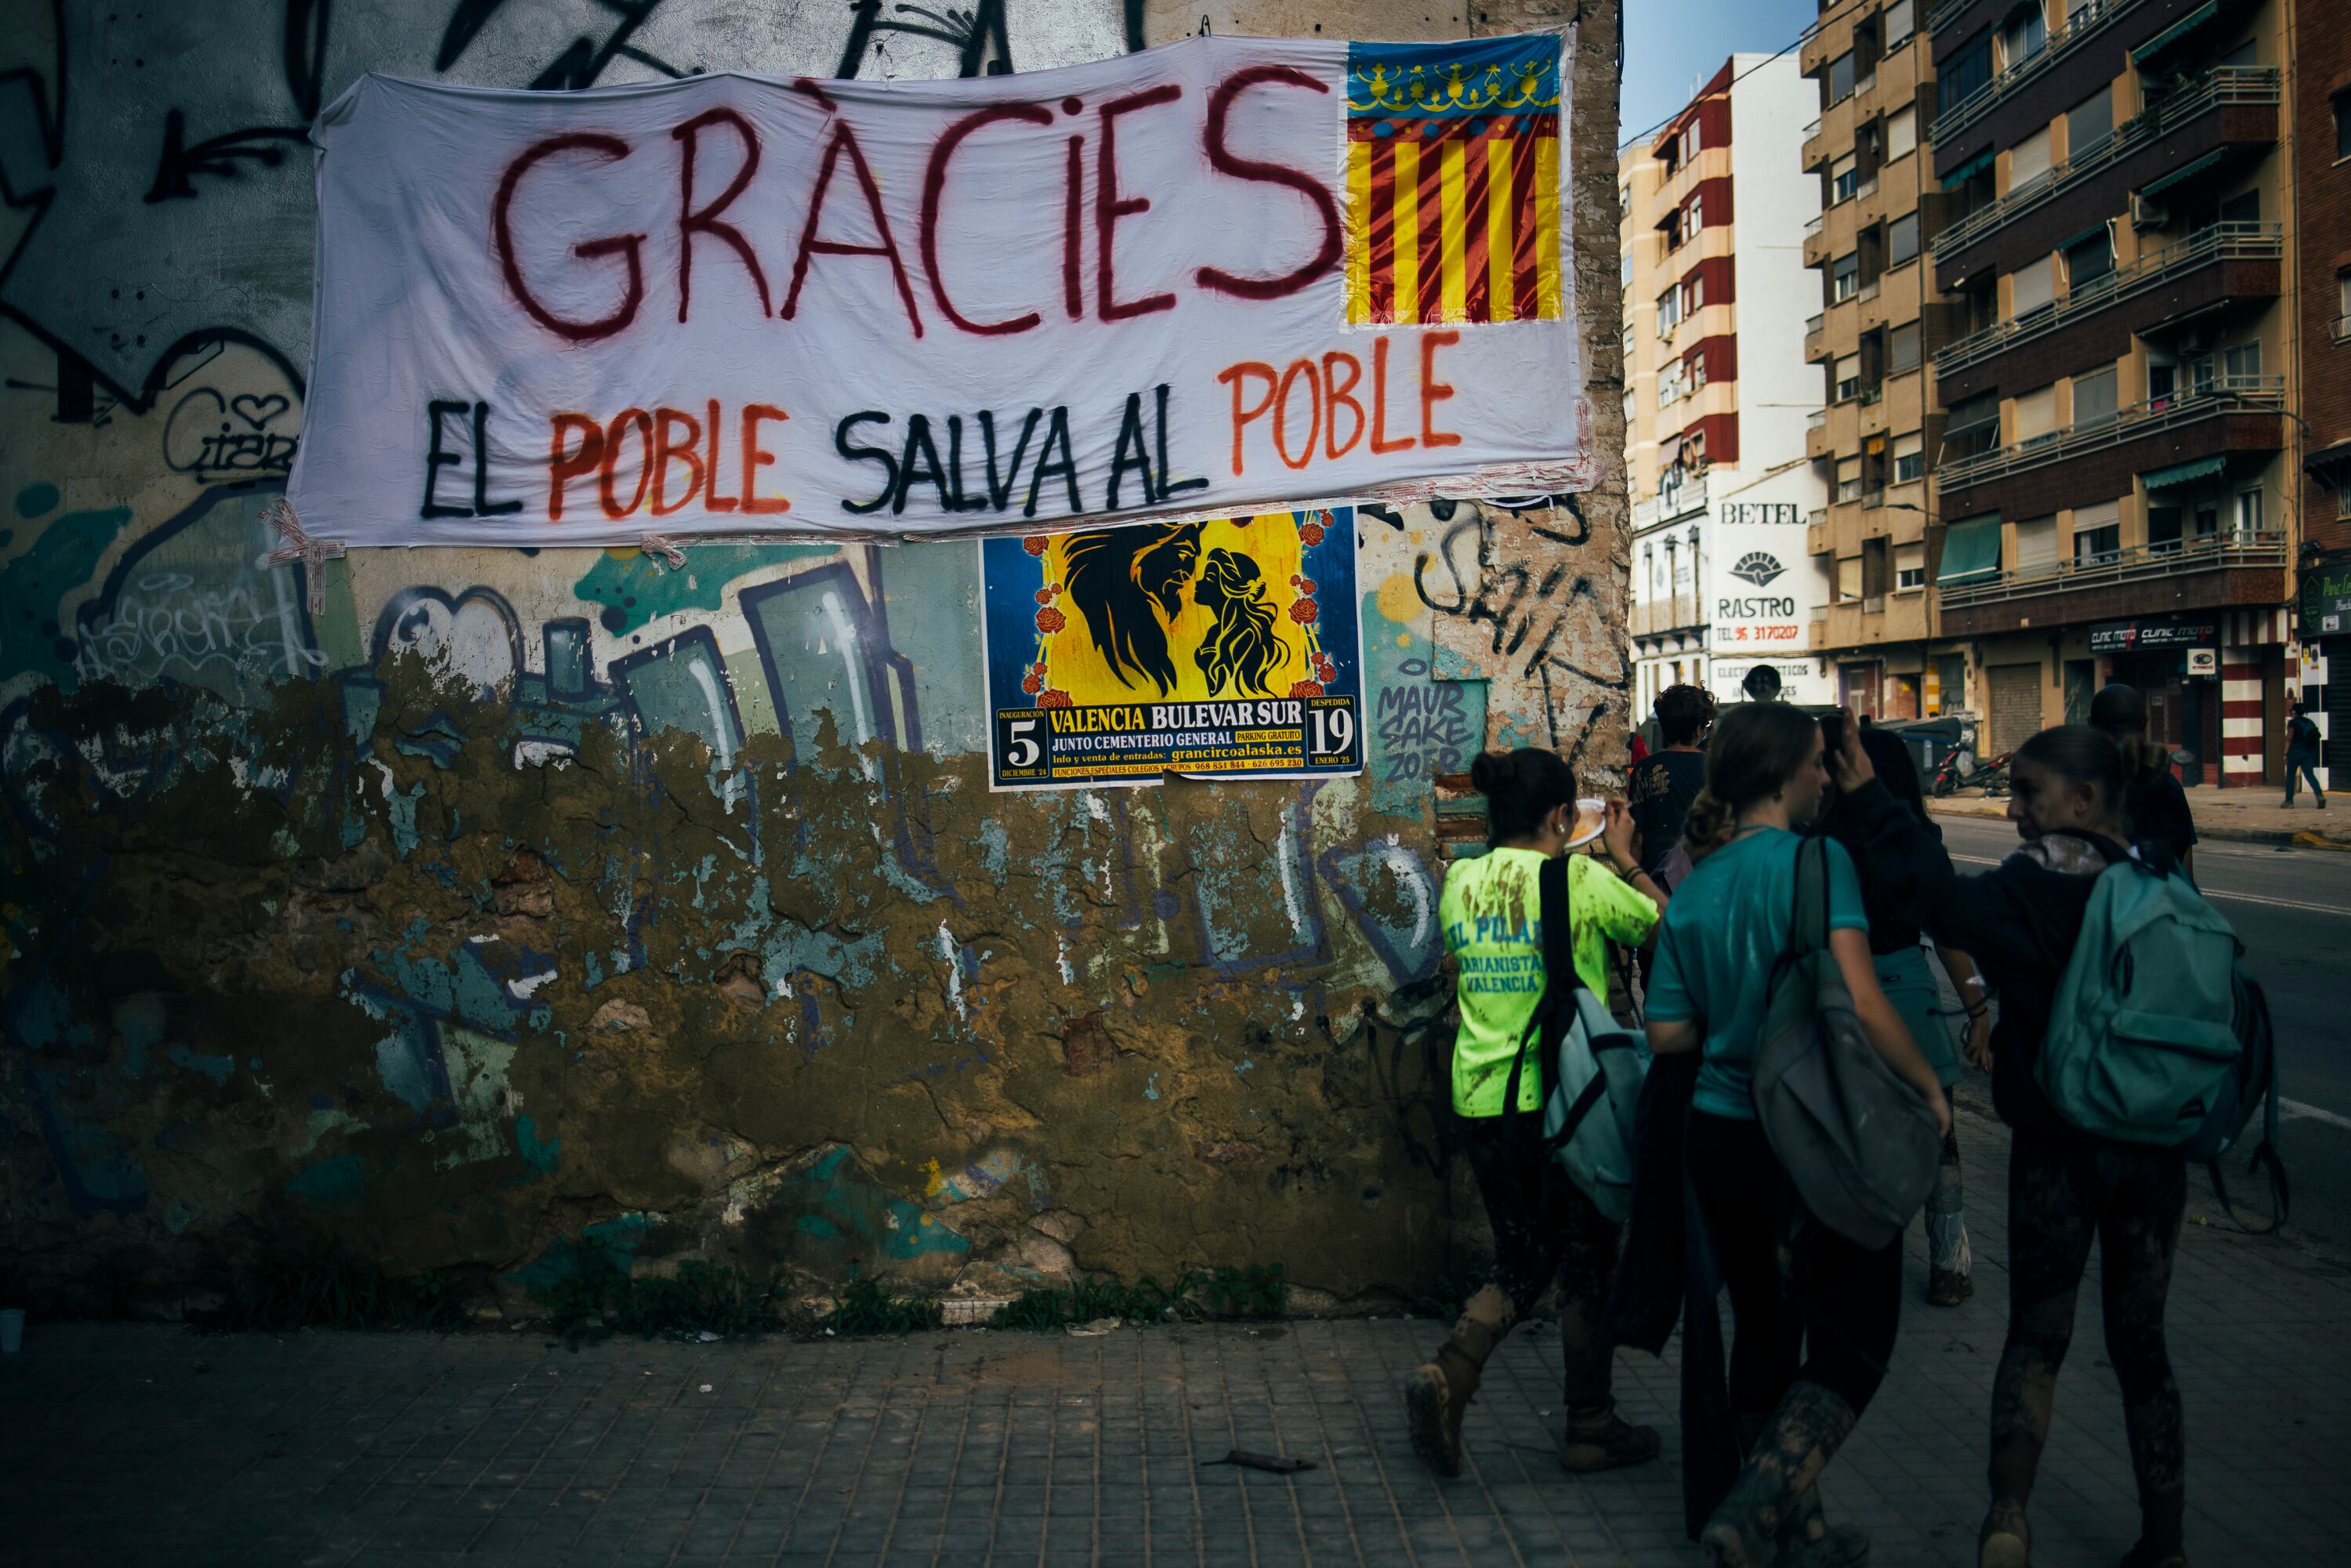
[[2322, 129], [2118, 470], [1877, 326], [1718, 397]]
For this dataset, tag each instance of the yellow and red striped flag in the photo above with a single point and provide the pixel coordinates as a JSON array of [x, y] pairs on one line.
[[1453, 181]]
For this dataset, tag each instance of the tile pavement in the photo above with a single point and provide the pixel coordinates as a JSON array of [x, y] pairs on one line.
[[970, 1447]]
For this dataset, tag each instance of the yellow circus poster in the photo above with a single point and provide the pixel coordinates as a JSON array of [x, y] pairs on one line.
[[1218, 647]]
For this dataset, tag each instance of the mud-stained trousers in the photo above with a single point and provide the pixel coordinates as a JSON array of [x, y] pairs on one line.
[[2064, 1192]]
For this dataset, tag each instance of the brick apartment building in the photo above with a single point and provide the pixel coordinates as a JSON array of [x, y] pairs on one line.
[[1717, 394], [1878, 326], [2322, 129], [2119, 469]]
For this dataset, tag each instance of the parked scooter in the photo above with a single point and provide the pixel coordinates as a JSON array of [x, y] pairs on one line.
[[1956, 774]]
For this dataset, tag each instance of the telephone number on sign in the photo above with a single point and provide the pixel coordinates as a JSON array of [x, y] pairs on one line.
[[1765, 634]]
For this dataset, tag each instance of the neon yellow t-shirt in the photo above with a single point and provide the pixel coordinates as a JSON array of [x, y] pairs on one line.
[[1492, 915]]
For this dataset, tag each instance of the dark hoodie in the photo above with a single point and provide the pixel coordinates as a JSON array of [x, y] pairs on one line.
[[2018, 921]]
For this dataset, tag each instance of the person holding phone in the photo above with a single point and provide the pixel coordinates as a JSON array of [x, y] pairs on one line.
[[1544, 1225]]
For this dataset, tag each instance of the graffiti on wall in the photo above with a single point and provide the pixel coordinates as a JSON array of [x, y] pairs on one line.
[[432, 815]]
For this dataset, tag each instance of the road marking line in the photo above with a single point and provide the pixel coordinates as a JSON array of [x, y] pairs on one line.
[[2295, 1111], [2216, 893]]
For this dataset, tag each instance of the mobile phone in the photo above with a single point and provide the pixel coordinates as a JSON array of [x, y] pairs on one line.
[[1833, 732]]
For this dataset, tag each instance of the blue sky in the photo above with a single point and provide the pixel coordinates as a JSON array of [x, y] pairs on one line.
[[1671, 46]]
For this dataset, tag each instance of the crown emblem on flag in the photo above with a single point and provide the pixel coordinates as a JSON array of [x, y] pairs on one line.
[[1453, 181]]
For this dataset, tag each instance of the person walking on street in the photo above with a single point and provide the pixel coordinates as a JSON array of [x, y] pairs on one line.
[[2066, 1189], [1815, 1314], [1909, 984], [2302, 744], [1662, 785], [2154, 805], [1544, 1225]]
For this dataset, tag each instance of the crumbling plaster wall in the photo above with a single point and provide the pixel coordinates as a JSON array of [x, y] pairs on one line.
[[449, 924]]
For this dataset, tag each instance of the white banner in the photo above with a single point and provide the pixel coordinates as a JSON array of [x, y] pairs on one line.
[[1227, 276]]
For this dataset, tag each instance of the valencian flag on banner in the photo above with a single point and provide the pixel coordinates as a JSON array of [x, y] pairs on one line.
[[1453, 180]]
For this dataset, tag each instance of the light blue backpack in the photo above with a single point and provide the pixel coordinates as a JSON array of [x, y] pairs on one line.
[[2143, 1043]]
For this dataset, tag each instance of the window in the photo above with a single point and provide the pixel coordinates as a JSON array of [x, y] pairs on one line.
[[2343, 315], [1842, 179], [1848, 486], [2089, 123], [1902, 348], [1849, 377], [2022, 34], [1694, 216], [2093, 399], [2036, 543], [1841, 77], [2036, 415], [1900, 24], [1669, 383], [1626, 268], [2094, 547], [2242, 362], [1694, 369], [1849, 577], [2249, 512], [1902, 239], [2031, 286], [1628, 416], [1624, 198], [2089, 258], [1901, 133], [2028, 161], [1628, 340], [1847, 277], [1974, 427], [1692, 143], [1909, 457], [2343, 125], [1670, 310], [1694, 294], [1968, 71], [1910, 568]]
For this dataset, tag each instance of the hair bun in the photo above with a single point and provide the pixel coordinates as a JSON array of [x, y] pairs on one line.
[[1491, 772]]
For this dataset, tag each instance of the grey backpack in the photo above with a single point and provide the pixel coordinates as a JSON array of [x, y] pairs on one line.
[[1857, 1140], [1591, 1066]]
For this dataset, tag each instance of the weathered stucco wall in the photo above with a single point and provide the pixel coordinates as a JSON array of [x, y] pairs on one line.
[[500, 899]]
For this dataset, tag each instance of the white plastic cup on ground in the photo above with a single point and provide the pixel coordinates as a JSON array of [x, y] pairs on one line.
[[11, 1330]]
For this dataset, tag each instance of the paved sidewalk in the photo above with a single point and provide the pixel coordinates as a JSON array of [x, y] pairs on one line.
[[2243, 816], [149, 1444]]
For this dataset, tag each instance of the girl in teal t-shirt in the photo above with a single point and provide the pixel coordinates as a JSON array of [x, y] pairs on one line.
[[1803, 1364], [1544, 1226]]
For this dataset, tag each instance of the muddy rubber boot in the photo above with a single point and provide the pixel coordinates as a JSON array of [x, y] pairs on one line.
[[1949, 1288], [2162, 1520], [1807, 1540], [1600, 1439], [2005, 1541], [1437, 1393], [1786, 1462]]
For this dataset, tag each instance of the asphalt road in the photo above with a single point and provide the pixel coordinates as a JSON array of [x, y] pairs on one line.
[[2293, 909]]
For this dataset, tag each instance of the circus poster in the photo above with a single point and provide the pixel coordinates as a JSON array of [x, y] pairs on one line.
[[1223, 647]]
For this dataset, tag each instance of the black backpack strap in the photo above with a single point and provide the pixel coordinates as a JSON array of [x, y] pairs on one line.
[[1559, 958], [2265, 1161]]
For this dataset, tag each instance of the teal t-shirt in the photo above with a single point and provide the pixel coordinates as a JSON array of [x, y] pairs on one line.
[[1727, 925]]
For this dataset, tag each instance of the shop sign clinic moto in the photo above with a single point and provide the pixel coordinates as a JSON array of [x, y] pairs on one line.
[[1227, 276]]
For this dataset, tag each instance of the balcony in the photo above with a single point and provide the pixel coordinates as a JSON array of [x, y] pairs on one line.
[[1671, 503], [2062, 41], [1943, 12], [1660, 616], [1814, 327], [2206, 247], [1816, 433], [2225, 395], [2248, 89], [2209, 573], [2342, 329]]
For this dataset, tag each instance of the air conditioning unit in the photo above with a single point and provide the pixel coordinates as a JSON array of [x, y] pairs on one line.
[[2147, 212]]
